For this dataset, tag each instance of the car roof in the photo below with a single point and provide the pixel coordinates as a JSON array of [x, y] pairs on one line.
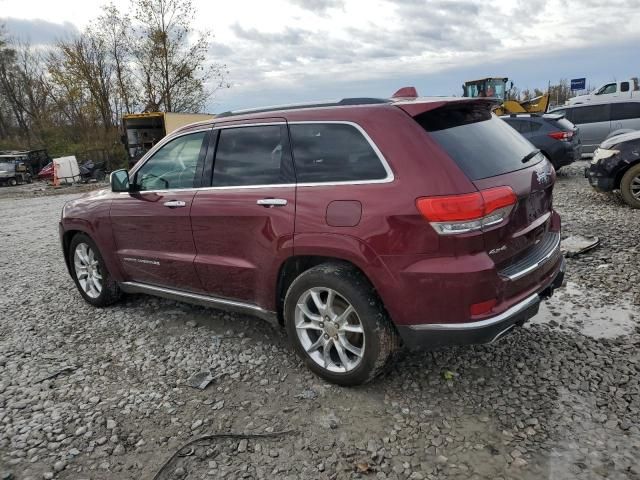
[[345, 106]]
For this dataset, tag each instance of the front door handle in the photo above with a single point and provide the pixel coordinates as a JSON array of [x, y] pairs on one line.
[[175, 204], [272, 202]]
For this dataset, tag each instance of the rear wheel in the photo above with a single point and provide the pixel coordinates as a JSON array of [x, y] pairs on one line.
[[338, 325], [630, 186], [90, 273]]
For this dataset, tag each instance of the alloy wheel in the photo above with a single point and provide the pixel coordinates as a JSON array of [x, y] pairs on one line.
[[329, 329], [87, 270], [635, 187]]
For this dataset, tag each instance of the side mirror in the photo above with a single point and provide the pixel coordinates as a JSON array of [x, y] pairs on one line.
[[119, 180]]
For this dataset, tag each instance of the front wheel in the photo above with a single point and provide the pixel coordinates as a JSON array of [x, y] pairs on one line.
[[630, 186], [12, 182], [338, 325], [90, 273]]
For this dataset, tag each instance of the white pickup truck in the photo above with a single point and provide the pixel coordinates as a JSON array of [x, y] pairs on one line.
[[612, 92]]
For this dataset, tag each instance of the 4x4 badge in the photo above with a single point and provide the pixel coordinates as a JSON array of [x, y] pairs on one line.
[[543, 176]]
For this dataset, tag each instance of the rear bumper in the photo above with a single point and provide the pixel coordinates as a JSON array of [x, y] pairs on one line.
[[430, 335], [566, 154]]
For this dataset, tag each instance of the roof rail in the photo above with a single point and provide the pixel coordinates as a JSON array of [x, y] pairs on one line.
[[295, 106]]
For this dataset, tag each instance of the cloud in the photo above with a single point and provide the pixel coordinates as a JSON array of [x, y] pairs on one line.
[[318, 6], [38, 32]]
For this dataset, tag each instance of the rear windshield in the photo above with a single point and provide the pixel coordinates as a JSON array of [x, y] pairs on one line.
[[479, 142]]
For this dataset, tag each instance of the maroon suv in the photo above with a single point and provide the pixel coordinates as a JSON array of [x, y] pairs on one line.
[[358, 225]]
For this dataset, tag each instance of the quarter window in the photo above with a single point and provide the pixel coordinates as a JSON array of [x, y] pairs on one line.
[[175, 165], [333, 152], [624, 86], [252, 156], [590, 114], [625, 110]]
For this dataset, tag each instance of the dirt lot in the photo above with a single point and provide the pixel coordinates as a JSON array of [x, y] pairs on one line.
[[103, 394]]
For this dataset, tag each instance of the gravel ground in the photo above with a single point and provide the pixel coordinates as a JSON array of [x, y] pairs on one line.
[[104, 394]]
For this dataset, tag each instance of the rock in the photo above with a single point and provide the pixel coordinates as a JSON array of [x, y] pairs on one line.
[[441, 460], [111, 424], [59, 466], [242, 446], [519, 462]]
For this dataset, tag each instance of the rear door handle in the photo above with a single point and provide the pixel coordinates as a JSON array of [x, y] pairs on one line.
[[175, 204], [272, 202]]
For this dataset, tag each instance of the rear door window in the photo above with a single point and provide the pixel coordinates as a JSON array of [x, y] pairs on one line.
[[625, 110], [257, 155], [333, 152], [590, 114], [479, 142]]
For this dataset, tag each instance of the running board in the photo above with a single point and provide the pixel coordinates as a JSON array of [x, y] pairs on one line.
[[199, 299]]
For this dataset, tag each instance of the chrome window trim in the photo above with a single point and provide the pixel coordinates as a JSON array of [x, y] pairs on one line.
[[390, 177], [169, 138]]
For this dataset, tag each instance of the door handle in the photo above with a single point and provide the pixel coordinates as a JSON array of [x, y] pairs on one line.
[[175, 204], [272, 202]]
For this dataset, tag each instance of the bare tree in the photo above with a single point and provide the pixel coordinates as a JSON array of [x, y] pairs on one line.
[[114, 30], [173, 60]]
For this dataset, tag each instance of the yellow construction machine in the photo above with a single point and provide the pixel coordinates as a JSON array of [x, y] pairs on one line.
[[496, 87]]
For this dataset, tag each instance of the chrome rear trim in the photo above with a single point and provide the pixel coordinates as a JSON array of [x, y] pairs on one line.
[[504, 316], [538, 256]]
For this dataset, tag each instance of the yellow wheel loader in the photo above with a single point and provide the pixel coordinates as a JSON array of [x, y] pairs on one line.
[[496, 87]]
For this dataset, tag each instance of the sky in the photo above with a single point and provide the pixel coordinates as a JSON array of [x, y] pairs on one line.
[[283, 51]]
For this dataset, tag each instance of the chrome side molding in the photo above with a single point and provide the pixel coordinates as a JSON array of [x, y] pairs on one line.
[[200, 299]]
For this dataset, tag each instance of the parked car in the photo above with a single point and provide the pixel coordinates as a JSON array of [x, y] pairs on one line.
[[616, 166], [358, 225], [597, 121], [46, 173], [555, 136], [613, 91], [13, 172]]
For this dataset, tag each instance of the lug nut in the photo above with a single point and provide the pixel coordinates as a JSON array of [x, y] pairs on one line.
[[326, 336], [321, 325]]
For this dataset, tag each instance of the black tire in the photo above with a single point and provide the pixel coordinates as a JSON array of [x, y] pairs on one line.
[[29, 179], [629, 182], [379, 339], [110, 292], [12, 182]]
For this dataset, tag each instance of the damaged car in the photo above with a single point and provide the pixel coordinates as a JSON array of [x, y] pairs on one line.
[[616, 166]]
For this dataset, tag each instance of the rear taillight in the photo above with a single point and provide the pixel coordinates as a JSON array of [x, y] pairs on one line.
[[468, 212], [567, 136]]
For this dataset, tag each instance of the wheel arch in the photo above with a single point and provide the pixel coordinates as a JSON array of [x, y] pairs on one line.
[[329, 248], [621, 172]]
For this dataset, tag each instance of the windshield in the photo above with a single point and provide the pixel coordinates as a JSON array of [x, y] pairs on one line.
[[479, 142]]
